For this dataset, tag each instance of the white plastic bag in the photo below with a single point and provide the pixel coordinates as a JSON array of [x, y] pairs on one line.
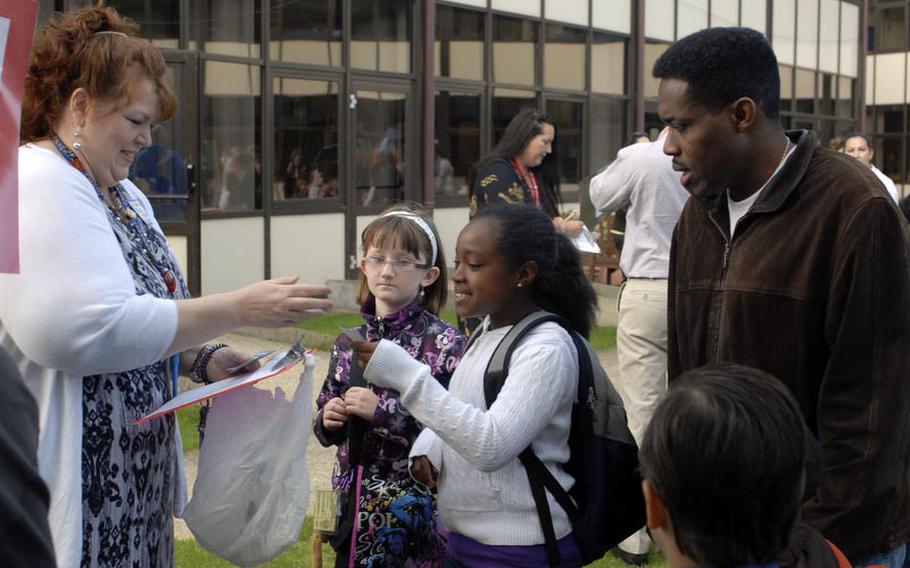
[[251, 491]]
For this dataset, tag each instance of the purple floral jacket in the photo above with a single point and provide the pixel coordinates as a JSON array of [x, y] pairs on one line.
[[425, 337]]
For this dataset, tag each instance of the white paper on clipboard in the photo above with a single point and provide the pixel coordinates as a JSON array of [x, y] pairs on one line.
[[275, 366], [586, 241]]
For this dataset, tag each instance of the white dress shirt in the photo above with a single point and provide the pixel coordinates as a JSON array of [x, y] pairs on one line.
[[642, 181], [886, 181]]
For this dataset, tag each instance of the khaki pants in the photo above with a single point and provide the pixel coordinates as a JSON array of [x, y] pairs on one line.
[[642, 350]]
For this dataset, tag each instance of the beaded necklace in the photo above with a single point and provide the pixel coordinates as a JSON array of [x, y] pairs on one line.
[[123, 212]]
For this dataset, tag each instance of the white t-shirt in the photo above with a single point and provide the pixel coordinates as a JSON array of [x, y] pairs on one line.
[[739, 208]]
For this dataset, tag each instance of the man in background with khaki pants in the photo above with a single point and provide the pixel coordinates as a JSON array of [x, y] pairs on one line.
[[641, 180]]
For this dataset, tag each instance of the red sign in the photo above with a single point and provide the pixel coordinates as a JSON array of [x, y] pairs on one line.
[[17, 27]]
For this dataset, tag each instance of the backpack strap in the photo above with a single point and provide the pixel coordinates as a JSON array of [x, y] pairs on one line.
[[539, 477], [357, 427]]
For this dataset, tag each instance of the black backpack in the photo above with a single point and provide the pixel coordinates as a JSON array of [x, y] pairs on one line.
[[606, 504]]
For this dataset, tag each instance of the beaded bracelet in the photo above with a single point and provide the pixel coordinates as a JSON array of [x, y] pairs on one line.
[[199, 370]]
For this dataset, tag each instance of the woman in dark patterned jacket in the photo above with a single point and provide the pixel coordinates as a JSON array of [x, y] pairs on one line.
[[402, 288], [522, 169]]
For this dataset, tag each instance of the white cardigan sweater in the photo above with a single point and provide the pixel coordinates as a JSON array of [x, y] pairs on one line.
[[73, 311], [483, 488]]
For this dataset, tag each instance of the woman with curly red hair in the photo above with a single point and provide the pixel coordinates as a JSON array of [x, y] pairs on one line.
[[100, 320]]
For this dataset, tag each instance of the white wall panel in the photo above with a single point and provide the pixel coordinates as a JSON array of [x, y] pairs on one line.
[[232, 253], [784, 31], [613, 15], [309, 246], [829, 19], [526, 7], [755, 15], [724, 13], [659, 19], [450, 222], [849, 39], [179, 244], [569, 11], [692, 16], [807, 34], [889, 78]]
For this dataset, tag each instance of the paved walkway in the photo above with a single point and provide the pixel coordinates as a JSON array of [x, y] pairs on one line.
[[320, 460]]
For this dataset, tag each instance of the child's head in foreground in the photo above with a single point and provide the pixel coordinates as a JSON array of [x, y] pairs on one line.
[[723, 462]]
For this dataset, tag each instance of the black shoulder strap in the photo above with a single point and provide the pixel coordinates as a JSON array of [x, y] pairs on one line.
[[539, 477], [357, 427]]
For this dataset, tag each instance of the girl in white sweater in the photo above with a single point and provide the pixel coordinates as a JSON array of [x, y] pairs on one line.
[[509, 261]]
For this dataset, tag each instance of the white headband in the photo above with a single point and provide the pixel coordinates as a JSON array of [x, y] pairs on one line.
[[109, 32], [425, 227]]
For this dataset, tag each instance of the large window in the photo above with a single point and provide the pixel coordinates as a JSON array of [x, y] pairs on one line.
[[226, 27], [381, 147], [381, 35], [306, 31], [514, 50], [608, 127], [306, 139], [608, 64], [459, 43], [231, 179], [506, 104], [564, 57], [159, 21], [457, 142], [891, 29], [569, 119]]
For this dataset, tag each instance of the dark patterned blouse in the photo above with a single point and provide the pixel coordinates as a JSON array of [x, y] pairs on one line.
[[426, 338], [498, 182]]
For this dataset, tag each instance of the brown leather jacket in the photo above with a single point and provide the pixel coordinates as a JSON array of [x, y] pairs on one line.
[[814, 288]]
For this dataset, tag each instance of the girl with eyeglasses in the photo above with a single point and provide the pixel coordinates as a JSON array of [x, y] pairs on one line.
[[402, 288]]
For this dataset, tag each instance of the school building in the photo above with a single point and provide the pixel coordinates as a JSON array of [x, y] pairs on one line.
[[300, 120]]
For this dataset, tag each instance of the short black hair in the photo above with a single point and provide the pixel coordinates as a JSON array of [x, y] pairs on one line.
[[723, 64], [726, 453]]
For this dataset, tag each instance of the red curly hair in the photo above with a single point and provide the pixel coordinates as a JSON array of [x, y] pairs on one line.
[[69, 54]]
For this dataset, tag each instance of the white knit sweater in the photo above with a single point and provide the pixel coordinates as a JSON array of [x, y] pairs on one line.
[[483, 488]]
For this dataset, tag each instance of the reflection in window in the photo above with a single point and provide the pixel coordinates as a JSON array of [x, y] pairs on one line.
[[608, 119], [889, 119], [457, 143], [230, 176], [805, 91], [569, 119], [786, 88], [826, 95], [891, 31], [506, 104], [608, 64], [652, 52], [159, 170], [459, 43], [887, 157], [514, 48], [306, 139], [564, 57], [226, 27], [844, 104], [826, 133], [159, 21], [381, 35], [306, 31], [380, 148]]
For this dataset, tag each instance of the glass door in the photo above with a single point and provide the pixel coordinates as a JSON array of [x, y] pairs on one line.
[[382, 147], [166, 170]]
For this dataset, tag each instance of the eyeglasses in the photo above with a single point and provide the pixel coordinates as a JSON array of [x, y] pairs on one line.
[[398, 265]]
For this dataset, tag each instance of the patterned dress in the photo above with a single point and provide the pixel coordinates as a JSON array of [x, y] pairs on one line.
[[498, 182], [426, 338], [128, 472]]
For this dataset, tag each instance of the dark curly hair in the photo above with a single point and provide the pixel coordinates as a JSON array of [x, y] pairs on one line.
[[723, 64], [524, 234], [69, 53]]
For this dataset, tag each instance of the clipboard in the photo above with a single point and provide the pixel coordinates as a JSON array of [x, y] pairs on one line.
[[272, 368]]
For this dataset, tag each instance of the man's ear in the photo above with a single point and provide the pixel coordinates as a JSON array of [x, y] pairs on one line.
[[654, 506], [745, 113], [526, 274]]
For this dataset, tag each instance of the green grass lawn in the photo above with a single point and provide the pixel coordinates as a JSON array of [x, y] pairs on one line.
[[191, 555], [333, 323]]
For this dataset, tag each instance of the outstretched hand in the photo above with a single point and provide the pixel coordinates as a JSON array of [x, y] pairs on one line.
[[224, 359], [281, 302]]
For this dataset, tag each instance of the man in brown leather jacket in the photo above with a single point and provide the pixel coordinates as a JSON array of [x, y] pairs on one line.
[[792, 259]]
